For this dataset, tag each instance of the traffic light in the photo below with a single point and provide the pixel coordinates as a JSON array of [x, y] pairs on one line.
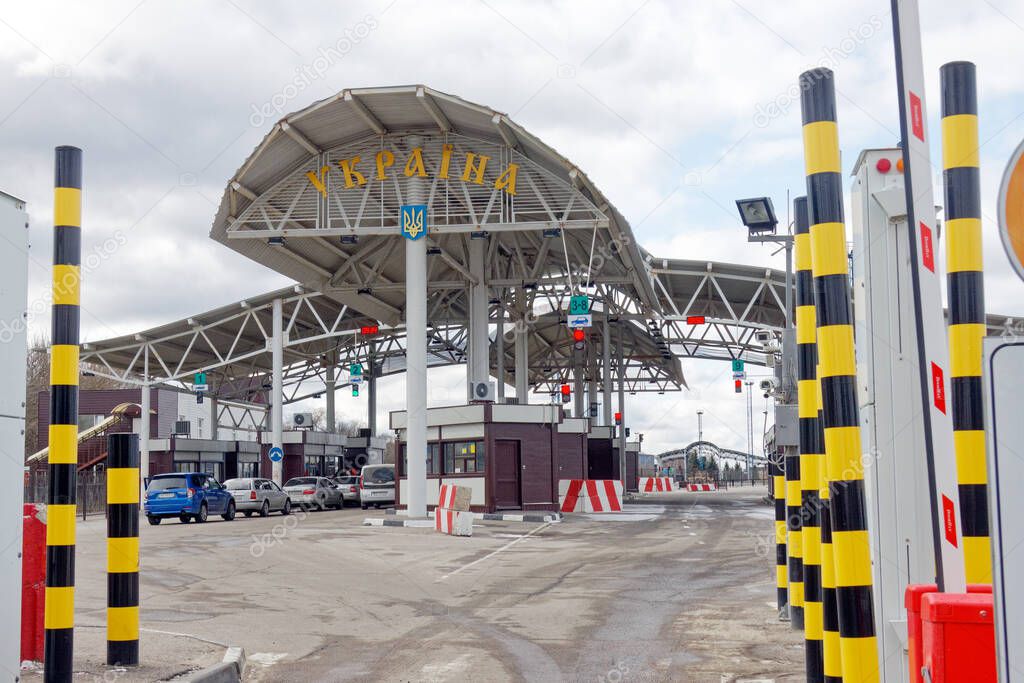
[[618, 418], [367, 330], [355, 391], [566, 393], [739, 386], [579, 337]]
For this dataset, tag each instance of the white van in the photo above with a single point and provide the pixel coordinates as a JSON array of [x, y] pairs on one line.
[[377, 486]]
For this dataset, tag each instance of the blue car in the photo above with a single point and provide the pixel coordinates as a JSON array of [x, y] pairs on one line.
[[187, 496]]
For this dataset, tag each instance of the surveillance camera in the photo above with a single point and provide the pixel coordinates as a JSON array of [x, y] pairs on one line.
[[764, 336], [768, 385]]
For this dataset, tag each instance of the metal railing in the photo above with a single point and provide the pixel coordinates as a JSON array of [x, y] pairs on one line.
[[91, 492]]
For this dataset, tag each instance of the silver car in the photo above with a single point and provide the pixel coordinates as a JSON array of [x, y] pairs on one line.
[[377, 486], [258, 495], [313, 492], [349, 485]]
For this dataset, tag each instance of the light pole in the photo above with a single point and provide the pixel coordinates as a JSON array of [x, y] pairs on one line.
[[750, 432], [700, 434]]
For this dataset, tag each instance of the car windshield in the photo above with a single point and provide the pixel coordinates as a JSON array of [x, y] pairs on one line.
[[238, 484], [379, 475], [164, 483], [301, 481]]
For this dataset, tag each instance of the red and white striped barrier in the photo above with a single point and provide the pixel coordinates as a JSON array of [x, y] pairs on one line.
[[656, 484], [590, 495], [454, 497], [453, 522], [702, 487]]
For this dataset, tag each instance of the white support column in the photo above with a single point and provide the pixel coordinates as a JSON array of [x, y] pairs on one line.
[[606, 371], [416, 357], [371, 397], [522, 344], [213, 418], [478, 367], [622, 407], [577, 387], [499, 340], [277, 390], [330, 385], [144, 420]]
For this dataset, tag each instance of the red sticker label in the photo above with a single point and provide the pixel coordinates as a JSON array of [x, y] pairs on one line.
[[916, 117], [938, 388], [927, 252], [949, 520]]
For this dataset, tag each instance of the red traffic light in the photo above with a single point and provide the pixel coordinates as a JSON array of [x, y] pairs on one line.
[[565, 393], [695, 320], [578, 334], [618, 418], [369, 329], [739, 386]]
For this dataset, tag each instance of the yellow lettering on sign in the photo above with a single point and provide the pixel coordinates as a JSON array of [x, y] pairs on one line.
[[446, 161], [352, 176], [384, 159], [476, 170], [507, 180], [414, 166], [318, 181]]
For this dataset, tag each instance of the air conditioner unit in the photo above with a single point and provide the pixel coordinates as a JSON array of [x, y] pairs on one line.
[[302, 420], [182, 427], [481, 391]]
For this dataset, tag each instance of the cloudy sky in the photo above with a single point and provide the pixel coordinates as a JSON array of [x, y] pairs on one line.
[[674, 109]]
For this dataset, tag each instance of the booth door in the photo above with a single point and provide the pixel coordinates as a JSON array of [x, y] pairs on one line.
[[506, 474]]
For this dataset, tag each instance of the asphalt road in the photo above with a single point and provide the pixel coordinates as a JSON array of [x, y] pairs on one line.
[[679, 588]]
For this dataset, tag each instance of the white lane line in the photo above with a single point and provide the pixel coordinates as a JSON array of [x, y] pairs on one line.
[[492, 554]]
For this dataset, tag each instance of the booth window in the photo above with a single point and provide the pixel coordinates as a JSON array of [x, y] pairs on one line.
[[463, 457], [248, 469], [433, 459]]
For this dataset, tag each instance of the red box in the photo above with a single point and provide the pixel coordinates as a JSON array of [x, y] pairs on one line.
[[958, 637], [912, 601]]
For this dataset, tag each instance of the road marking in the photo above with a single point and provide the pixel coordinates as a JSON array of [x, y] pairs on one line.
[[492, 554]]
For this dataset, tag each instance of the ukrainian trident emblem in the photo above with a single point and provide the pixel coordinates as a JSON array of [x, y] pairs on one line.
[[414, 221]]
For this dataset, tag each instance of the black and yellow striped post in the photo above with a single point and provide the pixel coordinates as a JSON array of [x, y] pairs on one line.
[[811, 454], [794, 540], [838, 376], [123, 550], [779, 494], [59, 613], [832, 661], [961, 173]]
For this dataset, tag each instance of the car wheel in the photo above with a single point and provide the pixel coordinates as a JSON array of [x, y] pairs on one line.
[[203, 515], [287, 509], [247, 513], [185, 518], [340, 504], [265, 510], [153, 520], [229, 514]]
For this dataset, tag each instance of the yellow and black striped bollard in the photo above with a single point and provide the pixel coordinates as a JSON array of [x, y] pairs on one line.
[[966, 308], [810, 453], [838, 376], [795, 541], [779, 493], [123, 550], [59, 613], [832, 660]]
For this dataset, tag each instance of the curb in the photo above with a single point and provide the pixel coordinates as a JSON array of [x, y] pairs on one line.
[[230, 670], [419, 523], [534, 517]]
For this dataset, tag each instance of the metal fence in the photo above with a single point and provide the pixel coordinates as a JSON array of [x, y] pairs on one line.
[[92, 491]]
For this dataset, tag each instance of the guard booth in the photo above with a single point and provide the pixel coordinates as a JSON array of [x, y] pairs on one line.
[[632, 458], [306, 453], [602, 462], [364, 449], [510, 456]]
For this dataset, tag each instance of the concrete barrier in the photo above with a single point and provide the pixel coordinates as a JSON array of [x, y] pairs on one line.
[[590, 495], [453, 522], [656, 484]]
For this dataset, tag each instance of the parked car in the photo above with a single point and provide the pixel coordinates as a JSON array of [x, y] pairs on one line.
[[313, 492], [187, 496], [258, 495], [377, 486], [349, 485]]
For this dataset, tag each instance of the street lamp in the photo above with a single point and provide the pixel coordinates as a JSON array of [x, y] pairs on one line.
[[758, 215]]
